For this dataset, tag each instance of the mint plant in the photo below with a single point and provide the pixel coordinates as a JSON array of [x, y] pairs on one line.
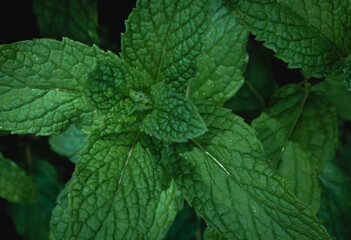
[[156, 125]]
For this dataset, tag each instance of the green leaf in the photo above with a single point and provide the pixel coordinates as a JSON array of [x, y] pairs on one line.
[[174, 118], [69, 143], [299, 134], [223, 175], [76, 19], [336, 201], [116, 191], [223, 58], [59, 218], [41, 83], [32, 220], [334, 89], [15, 184], [309, 34], [259, 84], [112, 87], [164, 39]]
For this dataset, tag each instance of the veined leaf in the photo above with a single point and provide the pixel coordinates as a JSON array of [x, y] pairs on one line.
[[15, 184], [115, 192], [76, 19], [69, 143], [299, 134], [223, 59], [225, 178], [112, 84], [41, 83], [174, 118], [164, 38], [311, 34], [32, 220], [336, 201]]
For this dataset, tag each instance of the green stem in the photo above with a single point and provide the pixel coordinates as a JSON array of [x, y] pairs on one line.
[[256, 93]]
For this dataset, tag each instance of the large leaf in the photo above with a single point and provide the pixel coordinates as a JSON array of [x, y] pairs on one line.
[[223, 58], [116, 191], [41, 83], [299, 134], [32, 220], [164, 38], [174, 118], [15, 184], [223, 175], [76, 19], [311, 34], [336, 201]]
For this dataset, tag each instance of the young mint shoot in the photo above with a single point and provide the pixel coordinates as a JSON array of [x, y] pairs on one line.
[[147, 130]]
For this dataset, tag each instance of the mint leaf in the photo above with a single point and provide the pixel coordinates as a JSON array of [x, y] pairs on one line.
[[315, 37], [115, 191], [15, 184], [41, 83], [69, 143], [32, 220], [299, 134], [164, 39], [224, 177], [334, 89], [336, 201], [113, 86], [59, 218], [223, 58], [174, 118], [76, 19]]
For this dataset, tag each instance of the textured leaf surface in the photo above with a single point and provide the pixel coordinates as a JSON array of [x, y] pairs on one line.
[[32, 220], [15, 184], [174, 118], [110, 84], [115, 191], [336, 201], [59, 221], [164, 38], [41, 83], [76, 19], [224, 177], [223, 58], [299, 134], [311, 34], [69, 143]]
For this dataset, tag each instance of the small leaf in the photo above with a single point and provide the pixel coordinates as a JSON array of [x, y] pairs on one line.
[[111, 83], [313, 35], [15, 185], [299, 134], [174, 118], [115, 192], [69, 143], [76, 19], [223, 175], [164, 39], [223, 58], [32, 220], [41, 83]]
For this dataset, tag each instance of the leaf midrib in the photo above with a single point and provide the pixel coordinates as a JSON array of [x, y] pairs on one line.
[[165, 45]]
